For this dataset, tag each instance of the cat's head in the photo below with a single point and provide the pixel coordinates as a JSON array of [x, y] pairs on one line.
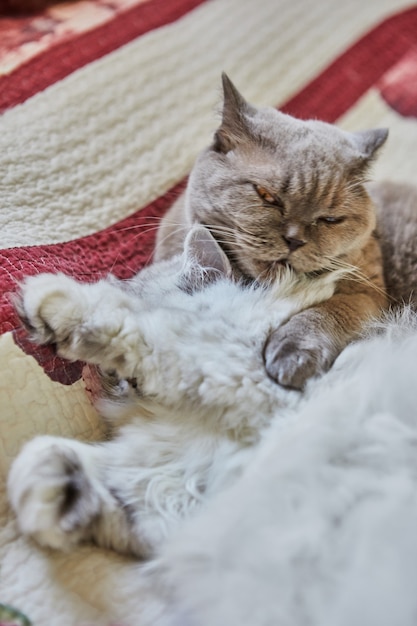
[[278, 191]]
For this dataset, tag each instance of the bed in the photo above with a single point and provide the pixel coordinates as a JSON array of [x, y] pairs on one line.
[[104, 107]]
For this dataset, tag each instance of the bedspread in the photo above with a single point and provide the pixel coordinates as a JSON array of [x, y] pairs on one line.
[[104, 107]]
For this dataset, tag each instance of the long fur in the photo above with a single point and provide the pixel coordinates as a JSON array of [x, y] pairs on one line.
[[259, 505], [200, 399], [321, 527]]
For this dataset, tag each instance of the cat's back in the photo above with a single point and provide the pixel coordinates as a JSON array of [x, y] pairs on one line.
[[396, 207]]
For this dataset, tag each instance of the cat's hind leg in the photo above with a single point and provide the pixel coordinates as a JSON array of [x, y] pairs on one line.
[[55, 490], [62, 493]]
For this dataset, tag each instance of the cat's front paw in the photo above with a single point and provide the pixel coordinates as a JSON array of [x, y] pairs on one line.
[[87, 322], [51, 494], [292, 357], [50, 306]]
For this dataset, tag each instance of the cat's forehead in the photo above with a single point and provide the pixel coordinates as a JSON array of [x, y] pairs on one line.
[[298, 156], [292, 137]]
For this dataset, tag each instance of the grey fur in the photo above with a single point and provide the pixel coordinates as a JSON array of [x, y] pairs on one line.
[[312, 175]]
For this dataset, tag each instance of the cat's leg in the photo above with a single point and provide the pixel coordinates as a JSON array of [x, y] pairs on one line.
[[89, 322], [60, 493], [310, 341], [293, 356], [55, 491]]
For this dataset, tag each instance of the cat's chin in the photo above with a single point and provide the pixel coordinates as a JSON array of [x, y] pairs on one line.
[[282, 267], [276, 269]]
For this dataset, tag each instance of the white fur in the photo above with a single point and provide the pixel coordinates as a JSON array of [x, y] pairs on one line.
[[315, 524], [321, 528], [204, 400]]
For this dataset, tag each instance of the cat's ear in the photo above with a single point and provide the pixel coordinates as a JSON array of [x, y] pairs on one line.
[[204, 260], [233, 129], [368, 142]]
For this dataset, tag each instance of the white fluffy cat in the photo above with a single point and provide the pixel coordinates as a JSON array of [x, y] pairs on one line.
[[314, 525], [192, 394], [321, 528]]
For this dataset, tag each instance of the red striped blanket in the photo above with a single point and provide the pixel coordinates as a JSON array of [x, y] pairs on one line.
[[104, 107]]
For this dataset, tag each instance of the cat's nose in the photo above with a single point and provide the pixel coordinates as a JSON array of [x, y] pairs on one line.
[[293, 243]]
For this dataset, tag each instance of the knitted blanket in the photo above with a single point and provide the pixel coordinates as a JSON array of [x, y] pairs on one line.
[[104, 107]]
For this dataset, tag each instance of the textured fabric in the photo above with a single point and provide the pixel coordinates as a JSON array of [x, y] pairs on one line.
[[97, 136]]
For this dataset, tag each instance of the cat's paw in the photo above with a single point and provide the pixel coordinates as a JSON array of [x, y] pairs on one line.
[[51, 494], [87, 322], [51, 306], [292, 358]]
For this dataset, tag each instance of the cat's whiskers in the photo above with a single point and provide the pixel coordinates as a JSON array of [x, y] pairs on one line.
[[154, 224], [236, 237], [356, 184], [151, 224], [250, 238], [179, 228], [221, 228], [355, 274], [142, 229]]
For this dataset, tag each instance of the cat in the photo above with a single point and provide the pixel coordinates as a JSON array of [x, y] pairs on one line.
[[320, 528], [187, 394], [239, 491], [396, 208], [276, 191]]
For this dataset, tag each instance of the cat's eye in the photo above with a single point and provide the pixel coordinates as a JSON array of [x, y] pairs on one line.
[[265, 195], [331, 219]]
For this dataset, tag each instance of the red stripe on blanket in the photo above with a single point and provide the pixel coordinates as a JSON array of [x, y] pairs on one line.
[[336, 89], [121, 249], [66, 57]]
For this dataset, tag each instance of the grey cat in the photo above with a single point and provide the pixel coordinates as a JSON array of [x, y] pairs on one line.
[[279, 192]]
